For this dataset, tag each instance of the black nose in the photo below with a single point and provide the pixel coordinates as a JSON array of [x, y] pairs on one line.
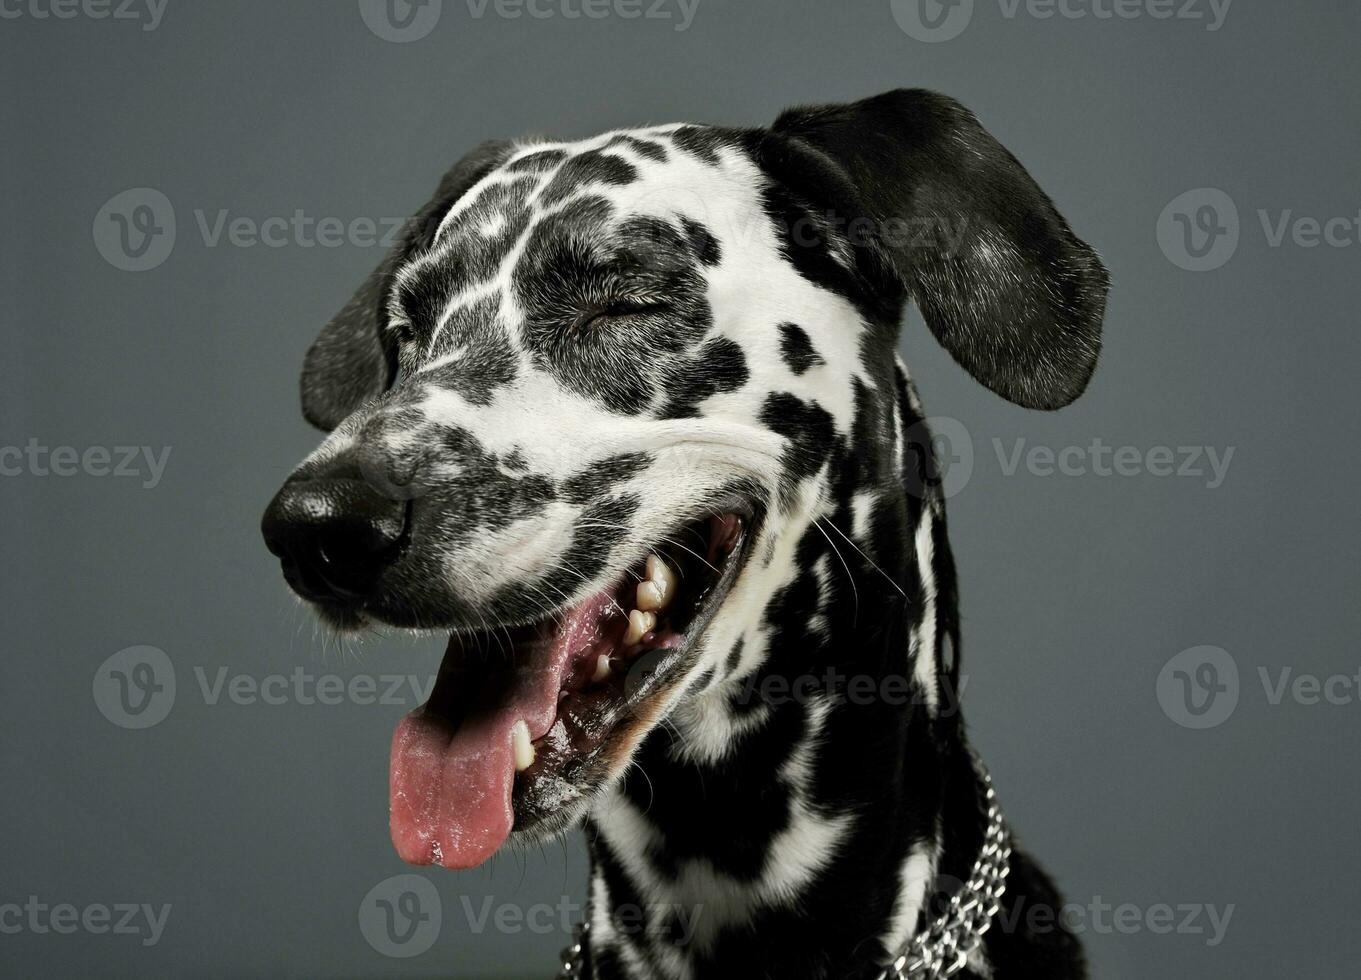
[[333, 536]]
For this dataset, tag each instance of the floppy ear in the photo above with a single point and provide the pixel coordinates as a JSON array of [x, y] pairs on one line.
[[1002, 282], [350, 361]]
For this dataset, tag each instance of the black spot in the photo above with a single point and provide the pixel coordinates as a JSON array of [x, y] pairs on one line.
[[734, 658], [601, 477], [646, 148], [483, 495], [487, 361], [590, 167], [606, 964], [806, 239], [675, 932], [719, 366], [797, 348], [572, 276], [703, 244], [600, 527], [682, 806], [537, 162], [465, 255], [421, 297], [701, 143], [872, 435], [810, 435]]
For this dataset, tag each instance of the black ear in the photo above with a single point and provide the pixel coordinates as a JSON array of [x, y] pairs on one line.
[[1002, 282], [350, 361]]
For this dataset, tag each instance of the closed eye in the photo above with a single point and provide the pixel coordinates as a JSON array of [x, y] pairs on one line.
[[618, 310]]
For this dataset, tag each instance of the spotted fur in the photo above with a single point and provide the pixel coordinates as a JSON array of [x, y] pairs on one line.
[[580, 345]]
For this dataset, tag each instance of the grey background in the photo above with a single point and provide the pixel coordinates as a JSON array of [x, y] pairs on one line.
[[264, 826]]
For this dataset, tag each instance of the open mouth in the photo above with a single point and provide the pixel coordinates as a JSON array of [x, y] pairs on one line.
[[521, 721]]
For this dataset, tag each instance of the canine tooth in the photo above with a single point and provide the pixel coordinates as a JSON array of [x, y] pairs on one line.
[[649, 595], [524, 748], [657, 590], [640, 624], [602, 669]]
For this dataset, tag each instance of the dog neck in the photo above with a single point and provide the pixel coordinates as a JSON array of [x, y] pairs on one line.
[[814, 795]]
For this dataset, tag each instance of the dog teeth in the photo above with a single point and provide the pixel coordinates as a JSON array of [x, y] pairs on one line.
[[657, 590], [602, 669], [523, 747], [640, 624]]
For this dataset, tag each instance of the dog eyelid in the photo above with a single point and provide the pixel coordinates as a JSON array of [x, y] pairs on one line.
[[619, 309]]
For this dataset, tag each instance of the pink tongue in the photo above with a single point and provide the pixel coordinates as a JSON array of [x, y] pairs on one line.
[[450, 790]]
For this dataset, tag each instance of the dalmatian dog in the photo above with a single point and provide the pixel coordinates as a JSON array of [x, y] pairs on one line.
[[625, 419]]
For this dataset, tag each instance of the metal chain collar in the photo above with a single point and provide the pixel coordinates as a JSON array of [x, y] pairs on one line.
[[943, 948]]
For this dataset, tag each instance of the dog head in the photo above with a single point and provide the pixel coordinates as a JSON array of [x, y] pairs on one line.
[[582, 415]]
